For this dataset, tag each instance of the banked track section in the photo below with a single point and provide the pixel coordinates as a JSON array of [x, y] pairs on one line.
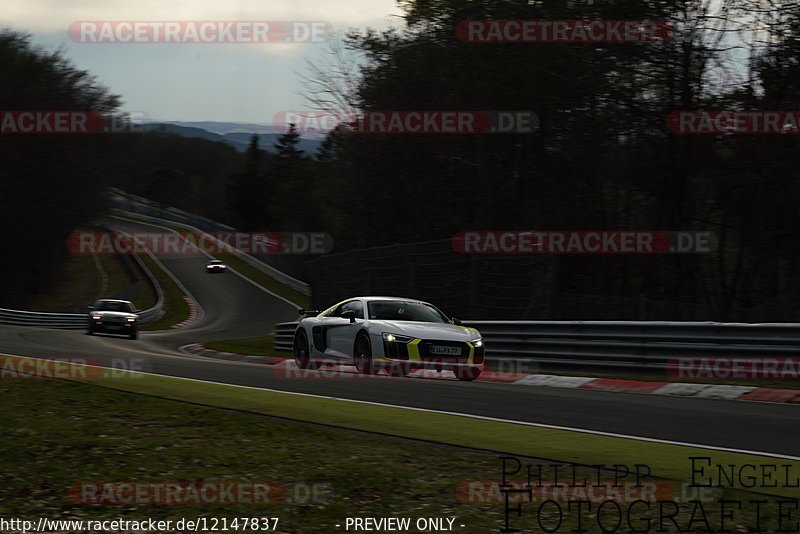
[[235, 308]]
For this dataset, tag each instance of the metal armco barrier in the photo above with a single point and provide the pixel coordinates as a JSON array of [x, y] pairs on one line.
[[632, 346], [50, 320], [284, 335], [71, 321], [603, 346]]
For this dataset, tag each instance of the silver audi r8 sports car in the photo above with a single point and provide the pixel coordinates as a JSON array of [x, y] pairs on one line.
[[113, 317], [391, 333]]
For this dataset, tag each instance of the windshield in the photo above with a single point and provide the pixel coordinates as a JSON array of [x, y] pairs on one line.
[[113, 306], [395, 310]]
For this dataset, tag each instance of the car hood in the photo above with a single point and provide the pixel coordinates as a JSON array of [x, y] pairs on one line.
[[416, 329], [112, 314]]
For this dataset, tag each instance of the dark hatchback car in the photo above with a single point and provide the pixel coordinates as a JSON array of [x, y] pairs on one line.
[[113, 317]]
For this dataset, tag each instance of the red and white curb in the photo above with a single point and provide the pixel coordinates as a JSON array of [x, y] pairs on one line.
[[200, 350], [193, 314], [286, 368]]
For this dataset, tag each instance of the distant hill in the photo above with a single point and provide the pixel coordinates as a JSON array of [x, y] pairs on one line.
[[235, 134], [227, 127]]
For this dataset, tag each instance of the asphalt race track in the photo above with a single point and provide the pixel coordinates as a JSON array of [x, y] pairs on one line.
[[233, 308]]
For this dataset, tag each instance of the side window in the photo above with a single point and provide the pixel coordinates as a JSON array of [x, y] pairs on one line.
[[354, 305], [337, 311]]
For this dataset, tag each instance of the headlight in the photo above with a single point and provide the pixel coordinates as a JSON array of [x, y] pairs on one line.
[[130, 319], [96, 317], [396, 338], [477, 343]]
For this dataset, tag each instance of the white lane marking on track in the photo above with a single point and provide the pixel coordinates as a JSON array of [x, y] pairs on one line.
[[200, 311], [470, 416], [208, 254]]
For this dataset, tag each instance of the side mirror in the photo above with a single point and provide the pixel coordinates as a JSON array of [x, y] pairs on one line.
[[455, 321], [349, 314]]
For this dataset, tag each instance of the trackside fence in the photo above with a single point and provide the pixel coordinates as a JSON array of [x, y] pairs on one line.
[[624, 346], [284, 334]]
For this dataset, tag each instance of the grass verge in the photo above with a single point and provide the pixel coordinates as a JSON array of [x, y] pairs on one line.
[[176, 309], [59, 434], [118, 268], [81, 284], [78, 285], [254, 346]]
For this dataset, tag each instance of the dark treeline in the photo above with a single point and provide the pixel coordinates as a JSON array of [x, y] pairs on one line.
[[602, 158], [48, 183], [51, 184]]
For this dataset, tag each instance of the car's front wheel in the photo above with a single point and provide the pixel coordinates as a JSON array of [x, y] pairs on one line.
[[302, 355], [468, 374], [134, 334], [363, 357]]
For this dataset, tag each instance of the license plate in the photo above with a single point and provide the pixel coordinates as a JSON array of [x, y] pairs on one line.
[[115, 327], [445, 351]]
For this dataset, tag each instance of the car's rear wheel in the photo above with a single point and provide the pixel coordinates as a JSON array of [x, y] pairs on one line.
[[363, 357], [302, 355], [468, 374]]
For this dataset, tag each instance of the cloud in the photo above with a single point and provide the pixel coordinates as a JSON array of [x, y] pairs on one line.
[[48, 16]]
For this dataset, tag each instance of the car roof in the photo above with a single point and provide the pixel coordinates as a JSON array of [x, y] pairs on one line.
[[214, 261], [402, 299], [377, 298]]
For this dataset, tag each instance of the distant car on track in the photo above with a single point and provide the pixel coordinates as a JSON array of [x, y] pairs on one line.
[[391, 333], [113, 317], [216, 267]]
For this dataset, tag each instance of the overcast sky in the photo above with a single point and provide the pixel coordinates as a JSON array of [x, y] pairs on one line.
[[197, 81]]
